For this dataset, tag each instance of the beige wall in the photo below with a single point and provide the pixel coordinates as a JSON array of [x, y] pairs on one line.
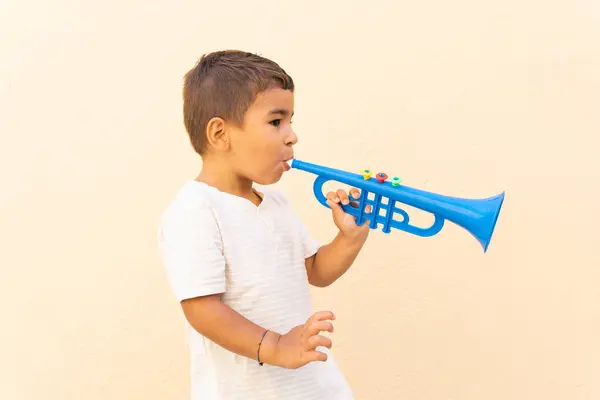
[[463, 98]]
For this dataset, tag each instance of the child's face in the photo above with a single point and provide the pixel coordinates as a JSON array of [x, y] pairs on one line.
[[260, 148]]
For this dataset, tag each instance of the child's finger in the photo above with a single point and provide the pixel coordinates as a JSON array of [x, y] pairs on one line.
[[321, 316], [334, 205], [355, 204], [343, 196], [333, 196], [366, 214], [318, 340], [315, 327], [354, 192], [315, 355]]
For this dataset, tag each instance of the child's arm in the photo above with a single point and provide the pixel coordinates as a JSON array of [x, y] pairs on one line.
[[333, 260], [191, 250], [226, 327]]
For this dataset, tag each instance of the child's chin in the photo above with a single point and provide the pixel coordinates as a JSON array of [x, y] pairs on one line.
[[269, 180]]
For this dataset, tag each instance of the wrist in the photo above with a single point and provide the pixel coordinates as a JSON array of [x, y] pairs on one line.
[[353, 240], [268, 352]]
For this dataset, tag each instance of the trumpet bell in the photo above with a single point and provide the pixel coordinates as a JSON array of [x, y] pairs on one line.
[[477, 216]]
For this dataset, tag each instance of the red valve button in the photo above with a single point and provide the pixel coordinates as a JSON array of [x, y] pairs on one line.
[[381, 177]]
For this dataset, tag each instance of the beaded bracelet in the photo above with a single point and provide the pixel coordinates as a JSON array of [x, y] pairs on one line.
[[258, 350]]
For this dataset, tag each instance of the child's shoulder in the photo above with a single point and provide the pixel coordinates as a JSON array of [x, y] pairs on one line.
[[192, 200]]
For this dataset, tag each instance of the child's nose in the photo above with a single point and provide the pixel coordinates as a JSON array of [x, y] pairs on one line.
[[292, 138]]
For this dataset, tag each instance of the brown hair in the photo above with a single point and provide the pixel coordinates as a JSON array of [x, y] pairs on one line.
[[224, 84]]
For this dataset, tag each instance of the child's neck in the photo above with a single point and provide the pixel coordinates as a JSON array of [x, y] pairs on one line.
[[224, 179]]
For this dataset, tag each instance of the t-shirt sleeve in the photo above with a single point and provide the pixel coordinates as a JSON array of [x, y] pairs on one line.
[[191, 251]]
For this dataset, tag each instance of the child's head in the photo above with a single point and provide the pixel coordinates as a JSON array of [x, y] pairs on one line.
[[237, 110]]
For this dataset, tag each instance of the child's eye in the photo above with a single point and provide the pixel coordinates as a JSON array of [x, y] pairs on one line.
[[276, 122]]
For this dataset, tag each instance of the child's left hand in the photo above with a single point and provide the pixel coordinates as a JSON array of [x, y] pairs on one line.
[[345, 222]]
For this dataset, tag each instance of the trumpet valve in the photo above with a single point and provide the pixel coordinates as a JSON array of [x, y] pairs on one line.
[[396, 181], [381, 177], [366, 174]]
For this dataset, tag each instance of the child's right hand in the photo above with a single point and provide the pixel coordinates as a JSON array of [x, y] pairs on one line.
[[298, 347]]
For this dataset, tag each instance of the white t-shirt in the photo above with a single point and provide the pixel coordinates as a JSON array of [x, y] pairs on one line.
[[214, 242]]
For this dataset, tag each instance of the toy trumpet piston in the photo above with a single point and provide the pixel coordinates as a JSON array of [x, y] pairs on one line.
[[477, 216]]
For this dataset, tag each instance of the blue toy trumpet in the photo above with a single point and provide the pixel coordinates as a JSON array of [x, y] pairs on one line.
[[477, 216]]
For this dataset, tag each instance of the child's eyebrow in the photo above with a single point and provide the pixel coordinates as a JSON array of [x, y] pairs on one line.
[[281, 111]]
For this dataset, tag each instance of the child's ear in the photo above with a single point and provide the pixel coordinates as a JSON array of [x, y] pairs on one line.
[[216, 134]]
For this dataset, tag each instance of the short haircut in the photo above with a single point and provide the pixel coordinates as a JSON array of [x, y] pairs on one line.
[[224, 84]]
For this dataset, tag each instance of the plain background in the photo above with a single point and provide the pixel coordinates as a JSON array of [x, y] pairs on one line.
[[465, 98]]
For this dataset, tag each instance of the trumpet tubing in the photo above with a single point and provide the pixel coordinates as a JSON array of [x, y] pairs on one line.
[[477, 216]]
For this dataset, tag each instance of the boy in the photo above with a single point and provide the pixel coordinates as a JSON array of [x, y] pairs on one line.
[[238, 258]]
